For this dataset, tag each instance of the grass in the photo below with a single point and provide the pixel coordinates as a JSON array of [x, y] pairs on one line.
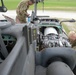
[[48, 4], [11, 4], [71, 27], [66, 28]]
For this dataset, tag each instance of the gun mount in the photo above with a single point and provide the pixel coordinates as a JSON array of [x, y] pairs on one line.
[[34, 13]]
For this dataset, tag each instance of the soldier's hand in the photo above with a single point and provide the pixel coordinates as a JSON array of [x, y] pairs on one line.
[[27, 15]]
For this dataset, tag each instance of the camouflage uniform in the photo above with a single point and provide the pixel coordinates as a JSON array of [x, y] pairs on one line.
[[74, 44], [22, 11], [72, 39]]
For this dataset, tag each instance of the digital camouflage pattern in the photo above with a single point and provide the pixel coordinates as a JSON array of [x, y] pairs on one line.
[[74, 45], [72, 39], [22, 11]]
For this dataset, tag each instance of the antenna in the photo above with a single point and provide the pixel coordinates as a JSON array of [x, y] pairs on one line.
[[42, 4]]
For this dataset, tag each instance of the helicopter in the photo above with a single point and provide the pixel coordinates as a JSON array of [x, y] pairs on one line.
[[39, 47]]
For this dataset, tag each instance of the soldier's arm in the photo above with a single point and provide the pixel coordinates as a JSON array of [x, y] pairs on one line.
[[22, 8]]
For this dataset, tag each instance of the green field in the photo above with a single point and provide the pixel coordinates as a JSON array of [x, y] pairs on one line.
[[48, 4]]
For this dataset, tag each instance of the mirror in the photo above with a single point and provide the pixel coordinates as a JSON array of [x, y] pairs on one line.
[[3, 8]]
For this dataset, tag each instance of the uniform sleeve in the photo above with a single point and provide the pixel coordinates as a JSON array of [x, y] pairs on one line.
[[22, 10], [22, 7]]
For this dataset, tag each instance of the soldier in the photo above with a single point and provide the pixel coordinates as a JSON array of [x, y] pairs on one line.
[[22, 10], [72, 38]]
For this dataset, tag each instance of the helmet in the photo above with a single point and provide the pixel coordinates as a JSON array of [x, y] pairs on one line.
[[50, 30]]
